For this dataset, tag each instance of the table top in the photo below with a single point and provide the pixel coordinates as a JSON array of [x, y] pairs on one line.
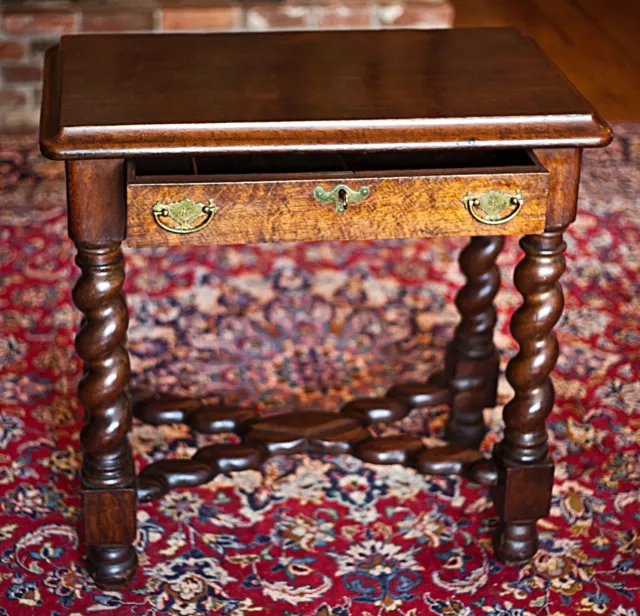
[[146, 94]]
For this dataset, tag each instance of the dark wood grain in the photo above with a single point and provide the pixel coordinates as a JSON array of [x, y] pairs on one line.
[[563, 165], [156, 479], [296, 432], [111, 566], [109, 516], [472, 360], [96, 200], [537, 279], [306, 432], [523, 453], [204, 417], [333, 90], [107, 467], [395, 449], [368, 411], [448, 460], [522, 494], [100, 343], [232, 457], [415, 394]]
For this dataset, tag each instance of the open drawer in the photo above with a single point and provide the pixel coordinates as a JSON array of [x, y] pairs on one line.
[[310, 197]]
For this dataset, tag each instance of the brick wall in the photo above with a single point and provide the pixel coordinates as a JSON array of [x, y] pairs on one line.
[[28, 28]]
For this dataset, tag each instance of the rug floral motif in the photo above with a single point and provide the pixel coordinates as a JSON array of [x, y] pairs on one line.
[[310, 326]]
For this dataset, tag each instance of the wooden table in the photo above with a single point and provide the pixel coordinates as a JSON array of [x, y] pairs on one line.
[[300, 136]]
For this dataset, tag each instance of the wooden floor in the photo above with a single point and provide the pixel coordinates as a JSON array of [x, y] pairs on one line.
[[595, 42]]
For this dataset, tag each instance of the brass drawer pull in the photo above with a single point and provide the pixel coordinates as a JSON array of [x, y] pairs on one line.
[[341, 195], [184, 214], [492, 204]]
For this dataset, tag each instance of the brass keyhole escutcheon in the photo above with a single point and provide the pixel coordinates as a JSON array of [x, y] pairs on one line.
[[341, 196]]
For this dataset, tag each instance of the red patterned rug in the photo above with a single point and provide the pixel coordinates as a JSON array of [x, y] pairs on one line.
[[310, 326]]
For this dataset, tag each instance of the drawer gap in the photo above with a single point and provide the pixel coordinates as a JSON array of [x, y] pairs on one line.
[[270, 164], [196, 168], [165, 166], [410, 160]]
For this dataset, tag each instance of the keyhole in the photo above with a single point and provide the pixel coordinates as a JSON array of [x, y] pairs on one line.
[[342, 200]]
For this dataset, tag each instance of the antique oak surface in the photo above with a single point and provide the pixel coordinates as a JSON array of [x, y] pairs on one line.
[[213, 139]]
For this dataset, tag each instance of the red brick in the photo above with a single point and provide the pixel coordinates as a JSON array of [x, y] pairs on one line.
[[117, 20], [40, 22], [23, 73], [12, 98], [416, 13], [278, 17], [345, 14], [201, 18], [12, 50]]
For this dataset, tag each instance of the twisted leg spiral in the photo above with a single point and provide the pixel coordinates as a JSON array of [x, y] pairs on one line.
[[108, 478], [472, 361], [525, 469]]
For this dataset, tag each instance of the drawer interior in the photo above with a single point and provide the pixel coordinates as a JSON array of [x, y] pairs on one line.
[[241, 167]]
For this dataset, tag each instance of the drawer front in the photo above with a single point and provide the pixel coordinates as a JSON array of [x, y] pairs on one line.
[[299, 210]]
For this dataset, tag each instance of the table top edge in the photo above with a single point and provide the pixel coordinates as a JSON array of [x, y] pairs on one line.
[[60, 142]]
